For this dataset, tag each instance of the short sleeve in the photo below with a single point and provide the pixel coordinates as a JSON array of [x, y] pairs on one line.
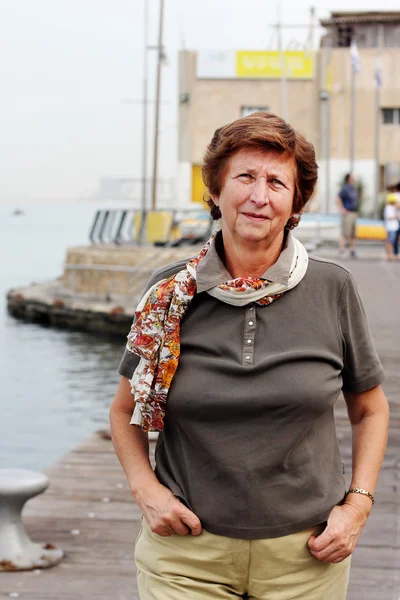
[[128, 364], [362, 368], [130, 360]]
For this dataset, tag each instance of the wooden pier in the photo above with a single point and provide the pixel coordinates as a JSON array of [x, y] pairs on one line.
[[88, 510]]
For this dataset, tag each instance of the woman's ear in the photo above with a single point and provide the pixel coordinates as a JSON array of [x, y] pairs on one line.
[[215, 199]]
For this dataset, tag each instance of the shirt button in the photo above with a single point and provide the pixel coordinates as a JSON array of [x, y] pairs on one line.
[[251, 307], [249, 341], [251, 323], [247, 357]]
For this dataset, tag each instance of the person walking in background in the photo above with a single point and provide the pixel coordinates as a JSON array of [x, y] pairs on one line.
[[347, 201], [397, 194], [391, 220]]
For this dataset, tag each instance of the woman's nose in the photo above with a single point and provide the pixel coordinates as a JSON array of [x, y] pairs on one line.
[[259, 193]]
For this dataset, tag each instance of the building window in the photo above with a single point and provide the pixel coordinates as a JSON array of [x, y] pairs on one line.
[[391, 116], [245, 111], [345, 33]]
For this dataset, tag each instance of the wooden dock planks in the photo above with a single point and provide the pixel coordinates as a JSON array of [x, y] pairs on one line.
[[88, 493]]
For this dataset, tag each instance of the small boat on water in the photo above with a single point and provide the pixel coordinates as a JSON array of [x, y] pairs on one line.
[[17, 212]]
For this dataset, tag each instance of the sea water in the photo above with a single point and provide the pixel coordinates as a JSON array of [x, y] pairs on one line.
[[56, 385]]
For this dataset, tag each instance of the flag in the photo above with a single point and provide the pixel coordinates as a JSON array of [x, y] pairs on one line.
[[378, 74], [355, 57]]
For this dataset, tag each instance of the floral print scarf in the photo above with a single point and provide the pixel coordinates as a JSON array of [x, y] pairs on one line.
[[155, 333]]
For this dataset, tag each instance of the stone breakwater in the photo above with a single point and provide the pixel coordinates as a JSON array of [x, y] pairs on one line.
[[98, 290]]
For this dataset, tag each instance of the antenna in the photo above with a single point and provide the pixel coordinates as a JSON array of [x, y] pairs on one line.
[[160, 57], [310, 41]]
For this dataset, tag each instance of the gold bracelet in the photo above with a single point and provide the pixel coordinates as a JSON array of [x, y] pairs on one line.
[[361, 491]]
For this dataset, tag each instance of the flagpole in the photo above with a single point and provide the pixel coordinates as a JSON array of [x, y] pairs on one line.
[[144, 126], [355, 67], [325, 121], [352, 116], [378, 82], [160, 54], [284, 110], [328, 50]]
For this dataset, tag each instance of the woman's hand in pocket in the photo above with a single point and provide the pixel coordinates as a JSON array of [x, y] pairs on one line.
[[341, 534], [165, 514]]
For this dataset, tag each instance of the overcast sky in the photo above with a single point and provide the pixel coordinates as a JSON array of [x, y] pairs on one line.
[[71, 81]]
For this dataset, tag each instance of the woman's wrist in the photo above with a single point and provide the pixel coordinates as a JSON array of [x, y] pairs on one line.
[[144, 484], [362, 491], [360, 502]]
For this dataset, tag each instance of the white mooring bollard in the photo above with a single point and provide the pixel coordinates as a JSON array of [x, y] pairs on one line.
[[17, 551]]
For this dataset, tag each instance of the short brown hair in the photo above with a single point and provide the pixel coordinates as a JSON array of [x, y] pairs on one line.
[[262, 131]]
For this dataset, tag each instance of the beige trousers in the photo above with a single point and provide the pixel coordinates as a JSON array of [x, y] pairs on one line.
[[349, 221], [214, 567]]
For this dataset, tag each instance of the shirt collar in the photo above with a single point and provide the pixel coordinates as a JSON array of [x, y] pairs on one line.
[[211, 271]]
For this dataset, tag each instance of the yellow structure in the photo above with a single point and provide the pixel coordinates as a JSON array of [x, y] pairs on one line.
[[160, 226], [270, 65], [371, 231], [198, 187]]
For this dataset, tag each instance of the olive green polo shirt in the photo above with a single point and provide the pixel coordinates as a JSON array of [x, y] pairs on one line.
[[249, 442]]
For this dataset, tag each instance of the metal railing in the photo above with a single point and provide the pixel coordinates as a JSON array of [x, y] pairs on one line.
[[130, 226], [113, 226]]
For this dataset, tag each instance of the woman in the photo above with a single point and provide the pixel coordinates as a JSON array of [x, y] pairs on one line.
[[391, 221], [238, 359]]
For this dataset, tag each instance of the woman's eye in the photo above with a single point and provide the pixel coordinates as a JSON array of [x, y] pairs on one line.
[[276, 181], [245, 175]]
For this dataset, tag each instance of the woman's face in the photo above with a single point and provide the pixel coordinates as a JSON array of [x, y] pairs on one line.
[[256, 199]]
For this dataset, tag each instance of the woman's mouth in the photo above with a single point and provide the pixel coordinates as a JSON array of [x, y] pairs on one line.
[[255, 217]]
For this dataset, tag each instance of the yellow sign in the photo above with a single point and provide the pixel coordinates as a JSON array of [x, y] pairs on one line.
[[253, 64], [198, 187]]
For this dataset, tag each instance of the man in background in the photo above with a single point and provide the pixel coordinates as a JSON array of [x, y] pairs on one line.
[[347, 201]]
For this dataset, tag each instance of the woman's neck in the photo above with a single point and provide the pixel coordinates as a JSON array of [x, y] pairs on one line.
[[249, 260]]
